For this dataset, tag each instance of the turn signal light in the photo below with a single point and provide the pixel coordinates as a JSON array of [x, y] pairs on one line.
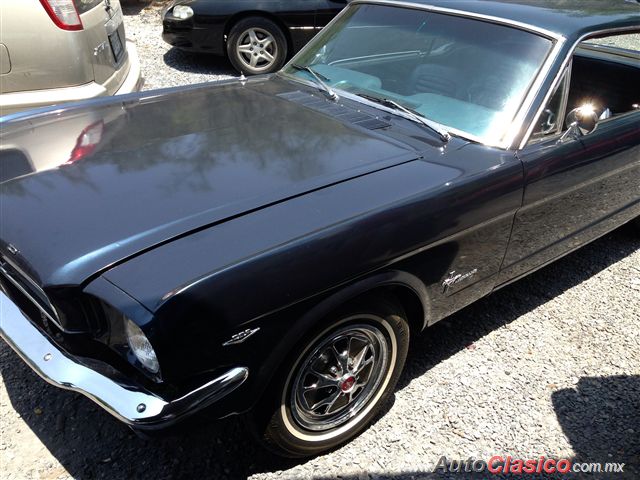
[[63, 13]]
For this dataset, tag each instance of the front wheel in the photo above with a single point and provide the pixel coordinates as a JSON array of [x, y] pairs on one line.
[[338, 380], [256, 45]]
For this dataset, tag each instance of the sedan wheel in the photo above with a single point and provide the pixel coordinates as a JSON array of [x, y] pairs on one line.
[[339, 379], [256, 45]]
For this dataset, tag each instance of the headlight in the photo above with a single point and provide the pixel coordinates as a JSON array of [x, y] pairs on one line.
[[182, 12], [141, 347]]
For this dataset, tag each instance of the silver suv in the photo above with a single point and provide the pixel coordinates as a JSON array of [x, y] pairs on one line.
[[54, 51]]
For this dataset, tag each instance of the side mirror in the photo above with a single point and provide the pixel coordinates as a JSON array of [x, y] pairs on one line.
[[581, 121]]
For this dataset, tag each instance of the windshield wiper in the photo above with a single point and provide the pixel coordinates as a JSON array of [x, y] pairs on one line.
[[444, 135], [320, 79]]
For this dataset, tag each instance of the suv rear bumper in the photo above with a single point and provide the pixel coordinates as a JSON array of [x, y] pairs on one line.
[[125, 400], [18, 101]]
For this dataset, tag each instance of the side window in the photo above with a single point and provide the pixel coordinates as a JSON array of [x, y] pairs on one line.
[[606, 75]]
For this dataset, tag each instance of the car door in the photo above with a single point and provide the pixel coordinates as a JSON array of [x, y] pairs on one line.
[[576, 187], [326, 10], [299, 17]]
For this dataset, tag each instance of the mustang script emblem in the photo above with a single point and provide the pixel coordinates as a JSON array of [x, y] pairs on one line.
[[454, 278]]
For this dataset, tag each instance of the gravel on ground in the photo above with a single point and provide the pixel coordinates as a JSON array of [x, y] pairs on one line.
[[549, 365], [162, 65]]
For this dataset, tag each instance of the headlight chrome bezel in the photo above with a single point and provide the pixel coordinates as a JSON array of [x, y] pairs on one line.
[[141, 347], [182, 12]]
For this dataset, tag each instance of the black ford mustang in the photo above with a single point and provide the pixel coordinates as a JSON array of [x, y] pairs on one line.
[[256, 36], [268, 246]]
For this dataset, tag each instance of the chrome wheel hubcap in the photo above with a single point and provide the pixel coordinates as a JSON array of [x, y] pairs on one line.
[[338, 378], [257, 49]]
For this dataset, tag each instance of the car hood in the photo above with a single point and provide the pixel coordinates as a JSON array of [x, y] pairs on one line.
[[149, 168]]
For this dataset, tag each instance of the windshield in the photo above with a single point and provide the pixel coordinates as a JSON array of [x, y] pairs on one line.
[[468, 75]]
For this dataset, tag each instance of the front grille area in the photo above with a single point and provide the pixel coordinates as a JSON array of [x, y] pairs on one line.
[[74, 312], [21, 285], [80, 313]]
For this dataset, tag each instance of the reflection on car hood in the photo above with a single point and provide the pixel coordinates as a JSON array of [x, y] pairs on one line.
[[154, 167]]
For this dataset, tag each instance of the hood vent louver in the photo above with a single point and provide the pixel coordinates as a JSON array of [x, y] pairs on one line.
[[335, 110]]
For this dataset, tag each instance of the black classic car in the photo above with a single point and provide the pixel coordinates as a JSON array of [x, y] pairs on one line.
[[267, 246], [256, 36]]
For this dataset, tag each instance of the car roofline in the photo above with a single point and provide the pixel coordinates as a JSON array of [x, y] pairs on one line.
[[465, 13]]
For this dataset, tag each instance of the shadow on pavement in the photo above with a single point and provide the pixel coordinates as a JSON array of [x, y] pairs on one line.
[[601, 419], [89, 443], [202, 63]]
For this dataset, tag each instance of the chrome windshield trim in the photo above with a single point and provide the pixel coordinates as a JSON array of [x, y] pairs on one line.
[[517, 123], [126, 400]]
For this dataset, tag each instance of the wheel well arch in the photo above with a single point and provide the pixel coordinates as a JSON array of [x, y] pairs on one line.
[[404, 287], [401, 286], [231, 21]]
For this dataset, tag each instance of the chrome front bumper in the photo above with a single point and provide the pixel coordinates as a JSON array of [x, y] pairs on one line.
[[130, 403]]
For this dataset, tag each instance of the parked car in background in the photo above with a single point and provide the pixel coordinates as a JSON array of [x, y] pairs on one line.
[[256, 36], [56, 51], [268, 246]]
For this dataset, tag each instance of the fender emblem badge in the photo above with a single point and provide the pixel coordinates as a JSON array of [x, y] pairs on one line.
[[240, 336], [454, 278], [12, 250]]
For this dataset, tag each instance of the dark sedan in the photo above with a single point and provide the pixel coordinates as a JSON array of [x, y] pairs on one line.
[[256, 36], [268, 246]]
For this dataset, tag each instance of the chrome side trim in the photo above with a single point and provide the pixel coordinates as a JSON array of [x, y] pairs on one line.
[[130, 403], [558, 77], [305, 28]]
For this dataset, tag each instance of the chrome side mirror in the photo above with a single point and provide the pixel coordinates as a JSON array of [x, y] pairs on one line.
[[581, 121]]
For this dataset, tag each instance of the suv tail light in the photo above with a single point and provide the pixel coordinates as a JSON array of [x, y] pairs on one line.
[[63, 13]]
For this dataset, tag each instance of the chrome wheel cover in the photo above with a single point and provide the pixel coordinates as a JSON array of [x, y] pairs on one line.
[[339, 376], [257, 49]]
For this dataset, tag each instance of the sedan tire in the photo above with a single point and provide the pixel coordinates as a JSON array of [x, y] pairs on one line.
[[256, 45], [337, 381]]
